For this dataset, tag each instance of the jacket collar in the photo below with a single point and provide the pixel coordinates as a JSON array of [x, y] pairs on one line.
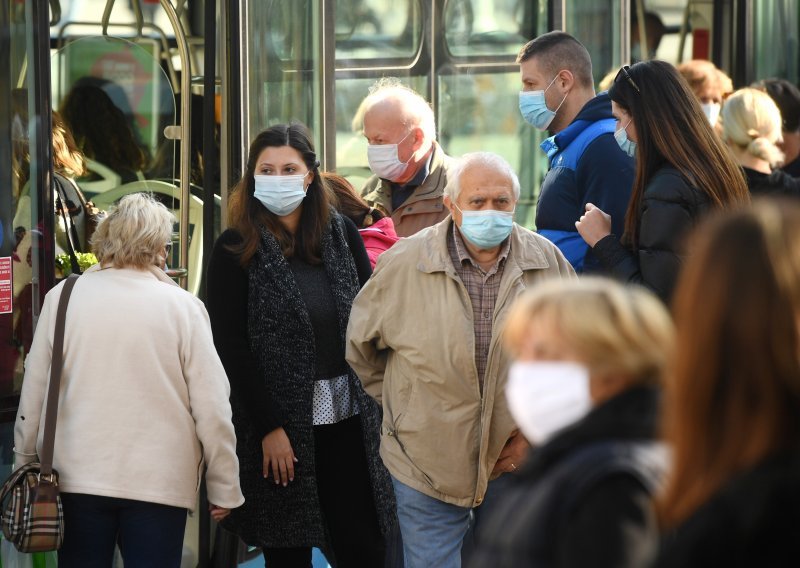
[[524, 250], [598, 108], [431, 187], [631, 415], [154, 270]]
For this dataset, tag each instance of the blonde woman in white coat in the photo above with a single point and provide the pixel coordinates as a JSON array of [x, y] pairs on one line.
[[143, 404]]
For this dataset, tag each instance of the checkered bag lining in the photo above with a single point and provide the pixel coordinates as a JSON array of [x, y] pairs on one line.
[[32, 518]]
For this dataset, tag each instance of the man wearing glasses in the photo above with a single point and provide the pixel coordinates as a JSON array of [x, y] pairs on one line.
[[586, 163]]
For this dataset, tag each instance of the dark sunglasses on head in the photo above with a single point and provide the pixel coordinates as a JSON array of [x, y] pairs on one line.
[[623, 73]]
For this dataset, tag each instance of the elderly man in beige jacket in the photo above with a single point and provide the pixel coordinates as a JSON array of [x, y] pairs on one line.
[[424, 338]]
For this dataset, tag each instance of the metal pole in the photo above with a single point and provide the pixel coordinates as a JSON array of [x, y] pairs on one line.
[[186, 133]]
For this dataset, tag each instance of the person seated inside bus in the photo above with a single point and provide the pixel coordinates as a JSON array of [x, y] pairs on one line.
[[102, 131], [787, 96], [376, 229], [710, 85], [751, 126], [409, 166]]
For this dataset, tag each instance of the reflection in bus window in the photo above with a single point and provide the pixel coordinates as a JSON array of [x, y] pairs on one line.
[[366, 29], [284, 63], [496, 27]]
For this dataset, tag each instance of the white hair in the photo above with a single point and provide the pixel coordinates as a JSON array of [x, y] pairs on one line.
[[752, 120], [417, 112], [134, 233], [485, 160]]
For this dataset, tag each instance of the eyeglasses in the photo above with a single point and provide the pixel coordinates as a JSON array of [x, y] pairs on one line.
[[624, 72]]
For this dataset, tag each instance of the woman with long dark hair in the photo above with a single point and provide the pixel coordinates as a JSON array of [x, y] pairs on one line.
[[732, 408], [281, 283], [683, 170]]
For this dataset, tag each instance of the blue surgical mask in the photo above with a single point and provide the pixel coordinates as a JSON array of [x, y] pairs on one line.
[[533, 107], [628, 146], [487, 228], [280, 194]]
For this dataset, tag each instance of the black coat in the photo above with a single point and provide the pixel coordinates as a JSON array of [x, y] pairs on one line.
[[669, 210], [776, 183], [583, 499], [264, 335], [753, 522]]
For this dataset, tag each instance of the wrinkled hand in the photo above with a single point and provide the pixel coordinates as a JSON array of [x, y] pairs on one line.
[[278, 456], [218, 513], [512, 455], [593, 225]]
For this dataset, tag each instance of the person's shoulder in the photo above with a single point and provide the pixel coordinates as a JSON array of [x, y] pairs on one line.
[[669, 185]]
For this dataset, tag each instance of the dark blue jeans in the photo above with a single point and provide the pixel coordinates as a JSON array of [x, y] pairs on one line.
[[149, 535]]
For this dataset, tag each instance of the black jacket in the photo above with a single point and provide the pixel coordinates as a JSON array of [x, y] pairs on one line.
[[670, 208], [583, 499], [776, 183], [753, 521]]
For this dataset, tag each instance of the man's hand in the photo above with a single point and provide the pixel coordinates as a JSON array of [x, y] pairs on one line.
[[513, 454]]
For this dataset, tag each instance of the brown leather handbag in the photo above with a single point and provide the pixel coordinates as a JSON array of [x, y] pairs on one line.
[[32, 517]]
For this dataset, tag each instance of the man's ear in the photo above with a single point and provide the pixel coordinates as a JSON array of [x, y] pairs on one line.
[[566, 80]]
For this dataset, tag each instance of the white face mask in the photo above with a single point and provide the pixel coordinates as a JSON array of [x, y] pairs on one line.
[[546, 397], [280, 194], [711, 110], [384, 161]]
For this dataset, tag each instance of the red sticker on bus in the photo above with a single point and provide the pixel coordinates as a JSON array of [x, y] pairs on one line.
[[6, 294]]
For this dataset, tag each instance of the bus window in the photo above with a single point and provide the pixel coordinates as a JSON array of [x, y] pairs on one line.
[[369, 29], [494, 27], [283, 65], [776, 39], [596, 24]]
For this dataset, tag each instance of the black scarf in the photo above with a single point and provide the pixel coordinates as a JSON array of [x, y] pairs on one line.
[[282, 342]]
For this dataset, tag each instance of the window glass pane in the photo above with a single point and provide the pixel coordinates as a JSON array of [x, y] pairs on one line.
[[23, 234], [776, 39], [490, 27], [595, 23], [283, 64], [367, 29]]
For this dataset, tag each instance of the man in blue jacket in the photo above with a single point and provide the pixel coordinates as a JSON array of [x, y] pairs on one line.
[[586, 163]]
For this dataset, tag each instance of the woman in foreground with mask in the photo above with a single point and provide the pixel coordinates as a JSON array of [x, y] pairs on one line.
[[281, 282], [584, 391], [683, 170], [732, 397]]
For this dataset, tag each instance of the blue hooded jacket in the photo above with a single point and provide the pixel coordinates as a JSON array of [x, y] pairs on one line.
[[586, 166]]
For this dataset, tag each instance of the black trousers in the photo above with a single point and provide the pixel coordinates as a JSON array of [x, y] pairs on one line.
[[345, 495]]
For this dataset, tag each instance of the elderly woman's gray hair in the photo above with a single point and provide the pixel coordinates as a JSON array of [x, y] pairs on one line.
[[484, 160], [135, 233]]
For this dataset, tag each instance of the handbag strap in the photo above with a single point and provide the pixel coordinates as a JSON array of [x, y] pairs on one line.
[[56, 366]]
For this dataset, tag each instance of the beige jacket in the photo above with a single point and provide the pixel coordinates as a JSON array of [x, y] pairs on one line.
[[424, 207], [144, 398], [411, 341]]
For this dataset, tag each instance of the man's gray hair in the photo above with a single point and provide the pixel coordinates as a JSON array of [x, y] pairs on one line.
[[485, 160], [418, 113]]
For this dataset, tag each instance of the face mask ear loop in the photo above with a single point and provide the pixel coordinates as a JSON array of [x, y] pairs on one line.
[[565, 94]]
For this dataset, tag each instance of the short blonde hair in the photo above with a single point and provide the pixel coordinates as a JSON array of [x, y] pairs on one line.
[[610, 327], [752, 121], [134, 233]]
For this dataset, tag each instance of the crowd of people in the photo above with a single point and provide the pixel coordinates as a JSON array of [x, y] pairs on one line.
[[405, 376]]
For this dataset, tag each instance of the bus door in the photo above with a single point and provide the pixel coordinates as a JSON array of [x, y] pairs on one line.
[[306, 61]]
